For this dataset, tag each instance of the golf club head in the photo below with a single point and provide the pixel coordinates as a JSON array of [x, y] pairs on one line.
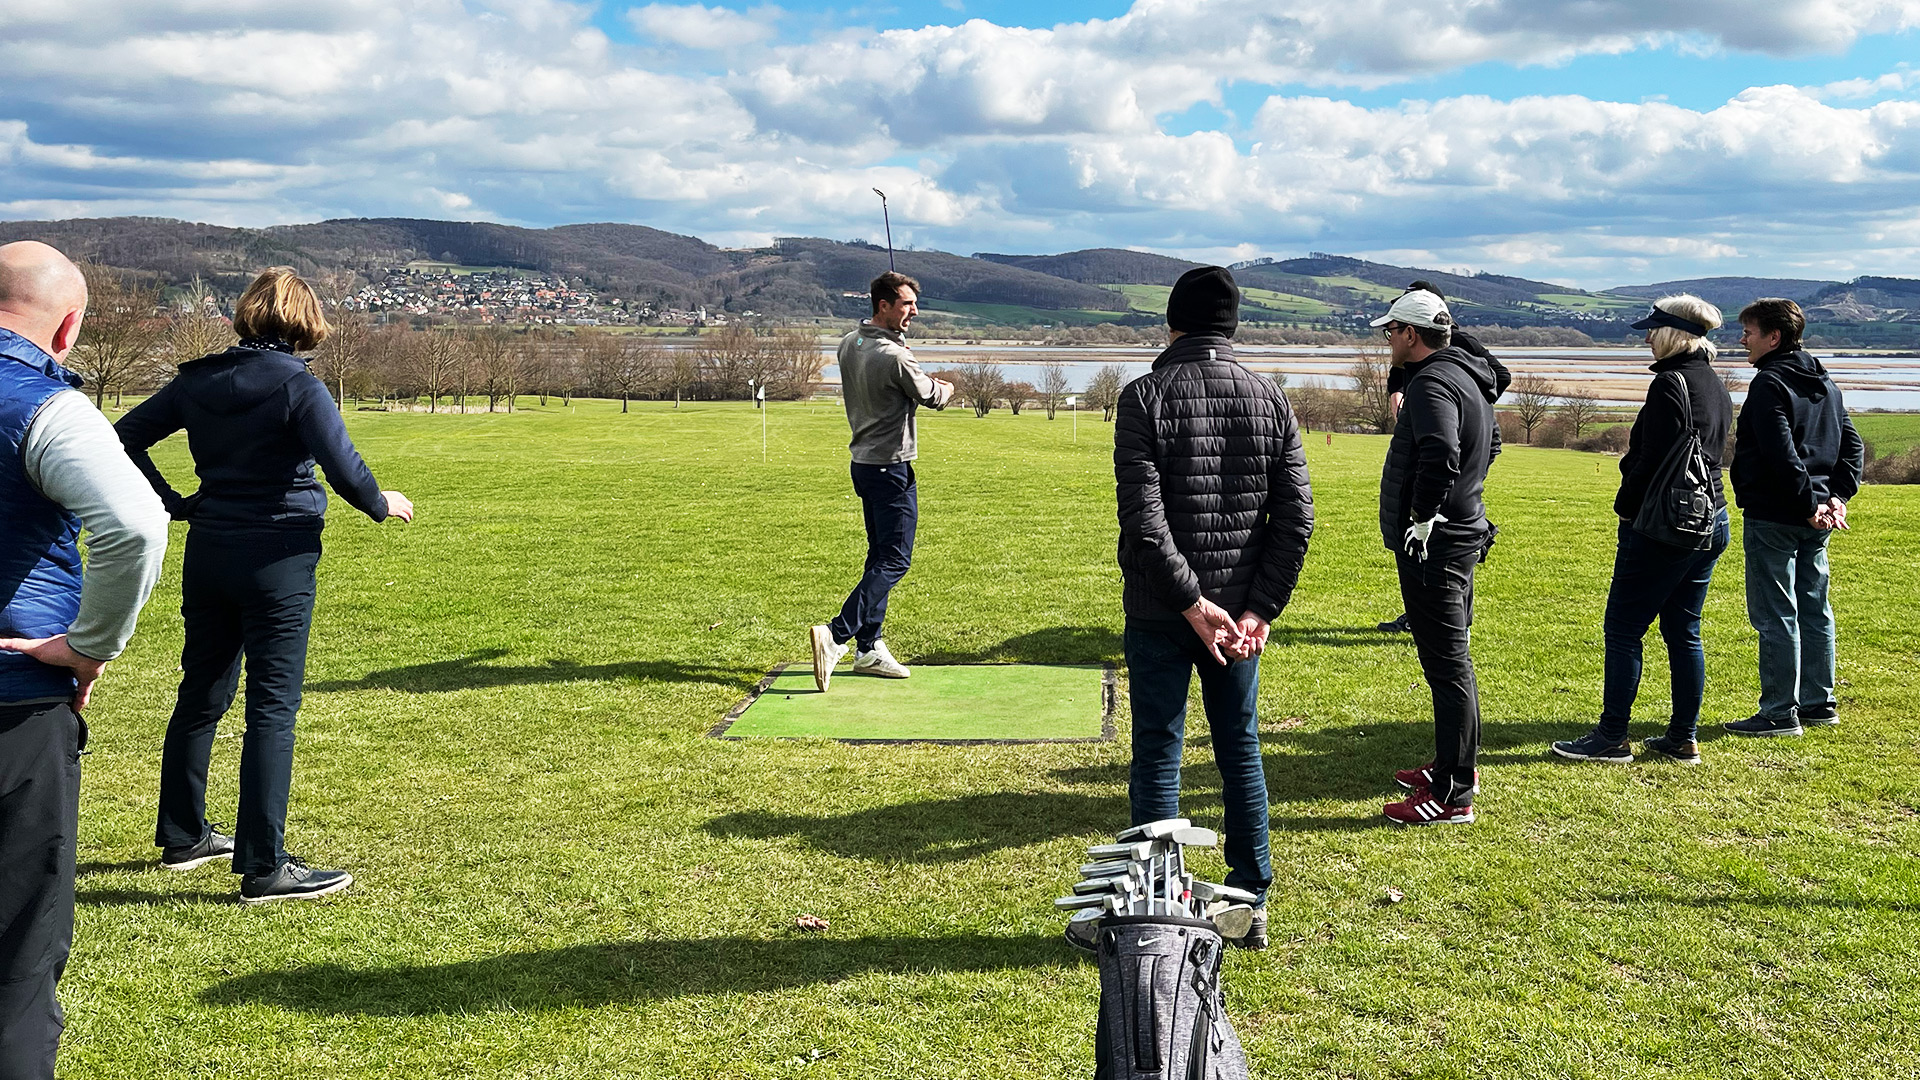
[[1122, 883], [1074, 903], [1153, 830], [1207, 892], [1194, 836], [1232, 920], [1140, 851], [1104, 869]]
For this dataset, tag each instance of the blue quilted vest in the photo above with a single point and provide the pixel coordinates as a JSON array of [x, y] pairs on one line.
[[39, 539]]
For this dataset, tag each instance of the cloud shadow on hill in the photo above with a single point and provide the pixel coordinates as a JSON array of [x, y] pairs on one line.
[[475, 672], [611, 973]]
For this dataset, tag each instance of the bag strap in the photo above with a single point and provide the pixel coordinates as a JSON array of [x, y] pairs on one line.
[[1686, 402]]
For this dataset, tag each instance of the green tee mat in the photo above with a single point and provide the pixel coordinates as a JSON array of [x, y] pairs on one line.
[[959, 703]]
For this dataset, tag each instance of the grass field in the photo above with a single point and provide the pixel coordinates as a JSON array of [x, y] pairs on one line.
[[1890, 433], [560, 876], [1259, 304]]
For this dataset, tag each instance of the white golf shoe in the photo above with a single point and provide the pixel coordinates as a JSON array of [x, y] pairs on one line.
[[879, 661], [825, 655]]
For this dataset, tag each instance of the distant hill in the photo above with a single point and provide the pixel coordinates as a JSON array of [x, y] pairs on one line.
[[1101, 266], [1729, 294]]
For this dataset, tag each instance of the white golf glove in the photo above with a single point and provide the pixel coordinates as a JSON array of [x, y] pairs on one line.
[[1418, 532]]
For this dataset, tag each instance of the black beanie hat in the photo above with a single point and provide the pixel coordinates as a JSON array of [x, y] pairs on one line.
[[1205, 301]]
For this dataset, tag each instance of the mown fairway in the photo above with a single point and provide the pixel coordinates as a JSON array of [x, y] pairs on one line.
[[560, 876]]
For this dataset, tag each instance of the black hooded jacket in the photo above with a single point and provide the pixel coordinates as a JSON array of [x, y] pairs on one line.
[[256, 422], [1442, 445], [1660, 424], [1212, 486], [1793, 446]]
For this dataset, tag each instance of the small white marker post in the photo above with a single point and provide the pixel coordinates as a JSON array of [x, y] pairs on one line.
[[1074, 404], [760, 402]]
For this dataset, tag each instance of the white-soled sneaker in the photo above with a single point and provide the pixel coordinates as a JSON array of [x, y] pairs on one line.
[[825, 655], [879, 661]]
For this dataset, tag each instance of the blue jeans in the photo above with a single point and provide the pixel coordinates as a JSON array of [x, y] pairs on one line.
[[1787, 603], [1161, 659], [248, 596], [890, 502], [1655, 580]]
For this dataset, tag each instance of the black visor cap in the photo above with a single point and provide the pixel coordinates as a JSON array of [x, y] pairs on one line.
[[1668, 318]]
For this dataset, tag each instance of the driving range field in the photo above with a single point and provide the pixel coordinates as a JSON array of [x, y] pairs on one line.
[[559, 874]]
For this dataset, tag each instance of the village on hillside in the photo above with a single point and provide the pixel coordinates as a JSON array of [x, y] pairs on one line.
[[502, 295]]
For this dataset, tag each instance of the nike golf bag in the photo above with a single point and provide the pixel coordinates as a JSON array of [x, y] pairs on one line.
[[1162, 1013]]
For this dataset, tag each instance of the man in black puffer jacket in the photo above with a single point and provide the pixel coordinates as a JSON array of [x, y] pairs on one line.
[[1433, 520], [1215, 512]]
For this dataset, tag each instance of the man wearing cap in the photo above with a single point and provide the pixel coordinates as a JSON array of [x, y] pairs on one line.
[[1215, 513], [1433, 520]]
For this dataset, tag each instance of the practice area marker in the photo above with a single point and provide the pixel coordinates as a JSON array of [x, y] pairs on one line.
[[957, 703]]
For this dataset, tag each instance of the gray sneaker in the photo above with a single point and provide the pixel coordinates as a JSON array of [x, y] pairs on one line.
[[294, 880], [214, 845]]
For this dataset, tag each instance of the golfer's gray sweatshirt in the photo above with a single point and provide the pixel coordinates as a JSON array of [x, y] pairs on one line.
[[883, 386]]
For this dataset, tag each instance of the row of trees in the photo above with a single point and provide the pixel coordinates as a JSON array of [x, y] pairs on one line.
[[982, 385]]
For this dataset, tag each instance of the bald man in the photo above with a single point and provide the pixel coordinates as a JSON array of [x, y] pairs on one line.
[[61, 470]]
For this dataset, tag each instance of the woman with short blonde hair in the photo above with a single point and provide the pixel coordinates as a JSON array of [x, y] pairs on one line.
[[257, 422], [1651, 579]]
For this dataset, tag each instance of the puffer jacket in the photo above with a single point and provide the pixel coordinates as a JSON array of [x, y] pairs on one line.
[[1212, 485], [1442, 445]]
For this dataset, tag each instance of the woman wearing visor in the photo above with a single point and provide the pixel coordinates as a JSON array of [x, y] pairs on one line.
[[1652, 579]]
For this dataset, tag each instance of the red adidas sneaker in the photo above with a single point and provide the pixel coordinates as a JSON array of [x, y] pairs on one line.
[[1415, 779], [1421, 808]]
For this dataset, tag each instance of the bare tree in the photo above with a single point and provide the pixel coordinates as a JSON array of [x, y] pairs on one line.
[[731, 357], [1579, 408], [1372, 405], [1533, 399], [123, 334], [599, 361], [1053, 385], [682, 372], [796, 362], [434, 360], [196, 328], [344, 355], [981, 385], [1103, 390], [1018, 394], [498, 362], [1317, 405], [637, 369]]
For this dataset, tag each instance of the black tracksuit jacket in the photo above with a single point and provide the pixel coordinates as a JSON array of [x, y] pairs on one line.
[[1659, 425], [1212, 486], [1442, 445], [1793, 446]]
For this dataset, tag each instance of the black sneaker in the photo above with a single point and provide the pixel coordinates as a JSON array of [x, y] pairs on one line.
[[294, 880], [1398, 625], [1594, 746], [1759, 726], [1684, 751], [214, 845], [1820, 716]]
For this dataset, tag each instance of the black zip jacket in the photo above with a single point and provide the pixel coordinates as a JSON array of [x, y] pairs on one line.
[[1502, 378], [1659, 425], [1212, 486], [1442, 445], [256, 422], [1793, 446]]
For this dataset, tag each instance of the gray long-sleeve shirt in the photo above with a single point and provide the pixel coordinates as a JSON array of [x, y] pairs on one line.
[[883, 386], [72, 456]]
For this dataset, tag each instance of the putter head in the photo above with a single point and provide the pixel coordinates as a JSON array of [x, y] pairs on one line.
[[1075, 903], [1104, 885], [1207, 892], [1153, 830], [1104, 869], [1139, 852], [1194, 836]]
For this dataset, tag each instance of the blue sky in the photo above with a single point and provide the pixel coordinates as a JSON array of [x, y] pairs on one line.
[[1572, 140]]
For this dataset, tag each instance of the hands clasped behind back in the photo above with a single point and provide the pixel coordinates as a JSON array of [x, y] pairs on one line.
[[1224, 635]]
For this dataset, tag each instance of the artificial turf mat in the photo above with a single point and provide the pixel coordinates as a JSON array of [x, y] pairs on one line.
[[940, 703]]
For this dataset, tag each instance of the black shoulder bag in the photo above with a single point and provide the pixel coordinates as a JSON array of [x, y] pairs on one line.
[[1678, 507]]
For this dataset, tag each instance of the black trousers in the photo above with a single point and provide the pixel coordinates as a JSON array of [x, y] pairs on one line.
[[890, 502], [1439, 599], [39, 820], [245, 595]]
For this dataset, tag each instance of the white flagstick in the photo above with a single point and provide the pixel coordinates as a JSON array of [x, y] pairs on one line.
[[1074, 404], [760, 402]]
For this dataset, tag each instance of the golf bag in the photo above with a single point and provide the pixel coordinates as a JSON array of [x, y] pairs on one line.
[[1162, 1012]]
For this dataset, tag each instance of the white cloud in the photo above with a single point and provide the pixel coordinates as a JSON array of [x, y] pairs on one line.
[[697, 26]]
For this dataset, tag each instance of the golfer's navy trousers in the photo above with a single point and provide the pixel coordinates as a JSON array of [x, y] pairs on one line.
[[245, 594], [39, 818], [891, 504]]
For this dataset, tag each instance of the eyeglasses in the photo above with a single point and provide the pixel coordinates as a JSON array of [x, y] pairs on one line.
[[1389, 330]]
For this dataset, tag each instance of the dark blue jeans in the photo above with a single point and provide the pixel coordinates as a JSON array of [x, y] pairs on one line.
[[248, 596], [1655, 580], [1787, 602], [1161, 660], [891, 504]]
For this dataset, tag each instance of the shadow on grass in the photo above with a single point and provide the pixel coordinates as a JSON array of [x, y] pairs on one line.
[[939, 830], [473, 672], [149, 897], [1055, 645], [125, 866], [626, 971], [1787, 901]]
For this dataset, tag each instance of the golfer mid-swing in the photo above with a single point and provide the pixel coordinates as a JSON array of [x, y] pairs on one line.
[[883, 386]]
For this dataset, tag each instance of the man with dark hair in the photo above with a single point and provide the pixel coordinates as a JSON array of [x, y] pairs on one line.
[[1396, 392], [882, 385], [1215, 513], [61, 470], [1433, 520], [1796, 461]]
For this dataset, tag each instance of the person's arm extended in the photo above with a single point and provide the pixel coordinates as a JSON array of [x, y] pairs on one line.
[[1435, 417], [917, 384], [1288, 518], [1143, 513], [72, 456], [325, 435], [144, 425], [1661, 423]]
